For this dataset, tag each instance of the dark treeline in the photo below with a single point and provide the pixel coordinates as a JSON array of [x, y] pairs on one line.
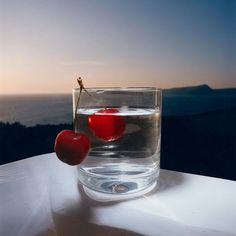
[[18, 142], [200, 144]]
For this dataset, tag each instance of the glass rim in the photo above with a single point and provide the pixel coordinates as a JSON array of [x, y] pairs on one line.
[[131, 89]]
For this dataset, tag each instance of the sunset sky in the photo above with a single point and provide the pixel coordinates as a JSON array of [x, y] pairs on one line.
[[46, 44]]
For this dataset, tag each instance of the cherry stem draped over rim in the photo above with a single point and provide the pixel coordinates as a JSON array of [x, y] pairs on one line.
[[81, 87]]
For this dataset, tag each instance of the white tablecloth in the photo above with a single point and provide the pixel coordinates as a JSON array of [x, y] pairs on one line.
[[181, 204]]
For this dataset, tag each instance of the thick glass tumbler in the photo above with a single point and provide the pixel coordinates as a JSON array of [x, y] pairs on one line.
[[124, 127]]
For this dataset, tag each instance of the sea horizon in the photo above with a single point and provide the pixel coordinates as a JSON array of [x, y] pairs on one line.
[[30, 110], [69, 93]]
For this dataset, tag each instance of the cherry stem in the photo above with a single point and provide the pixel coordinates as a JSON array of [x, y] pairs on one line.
[[79, 80], [81, 87]]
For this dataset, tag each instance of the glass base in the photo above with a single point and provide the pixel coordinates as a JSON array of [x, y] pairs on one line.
[[104, 197], [118, 184]]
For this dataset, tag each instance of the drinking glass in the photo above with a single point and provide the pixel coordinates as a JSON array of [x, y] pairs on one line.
[[124, 127]]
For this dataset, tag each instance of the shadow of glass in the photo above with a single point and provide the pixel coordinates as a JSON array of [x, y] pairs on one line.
[[87, 229], [47, 232], [78, 219]]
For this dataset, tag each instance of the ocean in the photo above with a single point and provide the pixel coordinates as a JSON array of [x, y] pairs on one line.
[[31, 110]]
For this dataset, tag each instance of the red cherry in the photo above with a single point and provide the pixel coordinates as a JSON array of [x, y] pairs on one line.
[[71, 147], [106, 126]]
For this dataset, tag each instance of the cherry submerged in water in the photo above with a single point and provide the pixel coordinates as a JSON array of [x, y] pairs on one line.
[[106, 124]]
